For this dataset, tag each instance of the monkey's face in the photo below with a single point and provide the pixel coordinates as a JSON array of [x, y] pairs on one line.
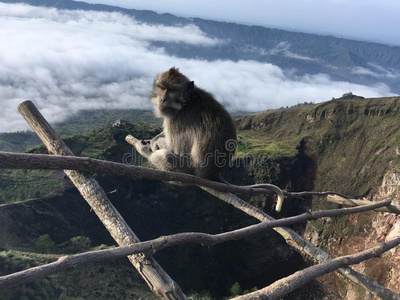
[[166, 99], [171, 93]]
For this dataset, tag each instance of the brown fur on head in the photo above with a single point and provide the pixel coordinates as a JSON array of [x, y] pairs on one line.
[[172, 77], [170, 92]]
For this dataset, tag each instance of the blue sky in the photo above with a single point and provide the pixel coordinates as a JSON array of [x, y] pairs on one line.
[[376, 20]]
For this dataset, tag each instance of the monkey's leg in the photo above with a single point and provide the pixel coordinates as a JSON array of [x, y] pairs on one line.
[[165, 160]]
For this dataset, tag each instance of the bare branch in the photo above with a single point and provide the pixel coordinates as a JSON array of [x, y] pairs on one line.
[[28, 161], [304, 246], [150, 247], [10, 160], [392, 208], [288, 284], [309, 193]]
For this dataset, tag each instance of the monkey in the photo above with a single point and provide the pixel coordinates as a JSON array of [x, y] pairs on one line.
[[197, 130], [199, 135]]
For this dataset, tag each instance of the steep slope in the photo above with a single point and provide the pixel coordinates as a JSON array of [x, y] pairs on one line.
[[353, 147], [347, 145], [353, 140]]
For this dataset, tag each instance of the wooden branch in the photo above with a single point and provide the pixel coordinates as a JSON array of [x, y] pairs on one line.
[[392, 208], [304, 246], [296, 280], [309, 193], [10, 160], [150, 247], [156, 278]]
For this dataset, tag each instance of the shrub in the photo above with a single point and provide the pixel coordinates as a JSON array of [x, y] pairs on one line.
[[235, 289], [44, 243]]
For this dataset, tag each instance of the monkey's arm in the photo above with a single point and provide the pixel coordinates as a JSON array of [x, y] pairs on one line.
[[162, 159], [141, 146], [157, 142]]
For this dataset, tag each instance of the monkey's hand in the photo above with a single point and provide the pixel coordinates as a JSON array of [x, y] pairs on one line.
[[141, 146], [157, 143]]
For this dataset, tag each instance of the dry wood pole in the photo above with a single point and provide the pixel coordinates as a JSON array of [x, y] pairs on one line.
[[392, 208], [156, 278]]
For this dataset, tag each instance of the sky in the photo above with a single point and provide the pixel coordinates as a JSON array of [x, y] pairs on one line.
[[67, 61], [376, 20]]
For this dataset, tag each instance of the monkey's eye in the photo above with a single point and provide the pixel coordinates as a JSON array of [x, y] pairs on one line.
[[161, 87]]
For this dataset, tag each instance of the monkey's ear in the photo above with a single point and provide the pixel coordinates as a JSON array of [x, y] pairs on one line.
[[190, 86]]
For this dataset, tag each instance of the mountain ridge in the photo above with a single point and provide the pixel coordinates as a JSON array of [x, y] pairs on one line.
[[343, 59]]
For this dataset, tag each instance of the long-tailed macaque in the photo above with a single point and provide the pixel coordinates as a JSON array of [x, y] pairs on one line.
[[198, 137]]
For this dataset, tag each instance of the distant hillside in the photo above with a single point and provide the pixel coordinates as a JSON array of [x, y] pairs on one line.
[[343, 59], [83, 121], [353, 140]]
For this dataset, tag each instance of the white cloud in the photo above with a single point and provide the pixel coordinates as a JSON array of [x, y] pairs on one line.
[[378, 72], [281, 49], [387, 73], [71, 60], [364, 71]]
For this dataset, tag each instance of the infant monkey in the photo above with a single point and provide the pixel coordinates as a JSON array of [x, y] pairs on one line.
[[198, 138]]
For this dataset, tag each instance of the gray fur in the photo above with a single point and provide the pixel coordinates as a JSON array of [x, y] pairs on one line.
[[196, 129]]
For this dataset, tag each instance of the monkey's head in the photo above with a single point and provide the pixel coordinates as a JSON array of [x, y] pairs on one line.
[[171, 92]]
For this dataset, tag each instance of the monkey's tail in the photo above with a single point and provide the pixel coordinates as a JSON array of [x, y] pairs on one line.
[[267, 186]]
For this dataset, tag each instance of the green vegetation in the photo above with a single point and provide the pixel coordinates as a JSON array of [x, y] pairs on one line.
[[107, 143], [17, 185], [83, 121], [350, 96], [44, 244], [11, 262], [76, 244], [235, 290], [100, 281], [251, 144], [13, 141]]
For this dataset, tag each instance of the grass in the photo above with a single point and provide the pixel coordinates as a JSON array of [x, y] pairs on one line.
[[251, 143], [100, 280]]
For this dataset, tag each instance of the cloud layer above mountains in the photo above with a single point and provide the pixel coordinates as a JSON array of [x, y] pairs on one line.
[[67, 61]]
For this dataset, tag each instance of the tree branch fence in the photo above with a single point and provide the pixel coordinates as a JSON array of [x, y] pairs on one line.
[[140, 253]]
